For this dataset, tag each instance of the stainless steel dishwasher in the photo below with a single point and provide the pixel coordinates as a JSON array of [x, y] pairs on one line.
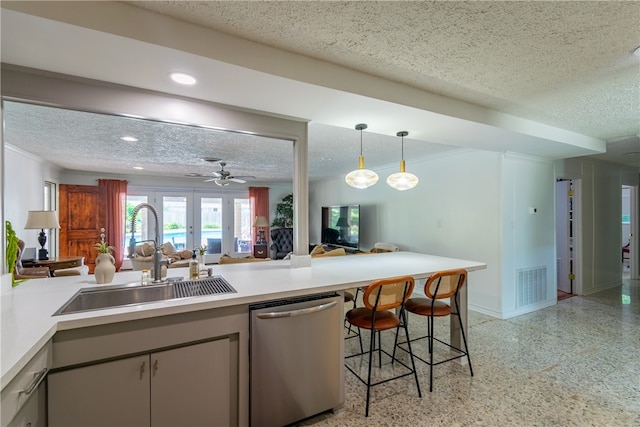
[[297, 362]]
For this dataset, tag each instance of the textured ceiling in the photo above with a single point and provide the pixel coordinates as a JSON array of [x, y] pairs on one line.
[[563, 64], [89, 141]]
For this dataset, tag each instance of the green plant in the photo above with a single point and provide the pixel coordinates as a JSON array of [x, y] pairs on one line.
[[103, 248], [12, 251], [202, 249], [284, 212]]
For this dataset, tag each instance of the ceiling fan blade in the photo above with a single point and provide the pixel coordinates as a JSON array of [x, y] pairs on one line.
[[245, 177], [210, 180], [236, 179]]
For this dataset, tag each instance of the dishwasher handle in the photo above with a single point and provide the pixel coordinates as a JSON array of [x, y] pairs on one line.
[[293, 313]]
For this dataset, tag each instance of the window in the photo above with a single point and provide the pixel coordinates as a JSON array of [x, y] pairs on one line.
[[242, 226], [50, 204], [220, 223], [211, 224], [174, 221]]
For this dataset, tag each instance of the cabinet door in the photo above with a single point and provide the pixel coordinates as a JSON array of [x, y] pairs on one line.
[[107, 394], [190, 386], [33, 412]]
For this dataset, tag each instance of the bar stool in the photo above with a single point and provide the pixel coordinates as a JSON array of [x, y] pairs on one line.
[[351, 332], [380, 297], [440, 285]]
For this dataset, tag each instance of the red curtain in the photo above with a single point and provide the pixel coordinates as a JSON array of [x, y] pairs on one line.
[[259, 199], [116, 194]]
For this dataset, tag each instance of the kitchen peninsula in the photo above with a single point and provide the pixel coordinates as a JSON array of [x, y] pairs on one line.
[[76, 340]]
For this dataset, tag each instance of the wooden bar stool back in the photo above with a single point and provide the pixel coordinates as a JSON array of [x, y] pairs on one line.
[[439, 286], [380, 299]]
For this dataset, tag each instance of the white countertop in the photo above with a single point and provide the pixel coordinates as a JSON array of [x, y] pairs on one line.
[[27, 322]]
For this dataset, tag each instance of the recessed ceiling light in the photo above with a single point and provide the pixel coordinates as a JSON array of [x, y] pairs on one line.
[[129, 138], [636, 51], [138, 167], [210, 159], [182, 78]]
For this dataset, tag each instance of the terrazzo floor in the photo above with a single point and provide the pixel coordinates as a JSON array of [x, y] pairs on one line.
[[573, 364]]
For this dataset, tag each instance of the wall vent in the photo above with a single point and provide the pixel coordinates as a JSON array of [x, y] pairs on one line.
[[531, 286]]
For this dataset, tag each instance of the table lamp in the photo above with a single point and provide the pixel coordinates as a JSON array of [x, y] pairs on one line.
[[261, 222], [342, 225], [43, 220]]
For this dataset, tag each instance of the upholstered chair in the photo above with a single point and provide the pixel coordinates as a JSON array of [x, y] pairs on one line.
[[281, 242], [20, 272]]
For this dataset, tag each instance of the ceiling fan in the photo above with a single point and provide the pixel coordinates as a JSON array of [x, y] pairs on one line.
[[224, 178]]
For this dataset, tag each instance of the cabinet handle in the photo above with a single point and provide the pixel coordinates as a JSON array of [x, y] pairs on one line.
[[155, 367], [37, 379], [293, 313], [142, 370]]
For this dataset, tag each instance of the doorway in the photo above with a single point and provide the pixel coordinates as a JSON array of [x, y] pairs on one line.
[[216, 222], [567, 237], [629, 228]]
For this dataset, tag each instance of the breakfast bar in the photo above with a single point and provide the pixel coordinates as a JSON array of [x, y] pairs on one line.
[[217, 324]]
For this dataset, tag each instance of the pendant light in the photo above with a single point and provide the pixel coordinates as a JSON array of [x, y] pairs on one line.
[[402, 180], [361, 178]]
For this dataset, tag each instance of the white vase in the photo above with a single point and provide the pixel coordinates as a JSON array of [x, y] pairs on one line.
[[201, 261], [105, 268]]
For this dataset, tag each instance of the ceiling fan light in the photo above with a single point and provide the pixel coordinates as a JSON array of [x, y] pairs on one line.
[[221, 183]]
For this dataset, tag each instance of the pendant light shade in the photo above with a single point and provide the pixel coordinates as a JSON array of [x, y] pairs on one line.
[[361, 178], [402, 180]]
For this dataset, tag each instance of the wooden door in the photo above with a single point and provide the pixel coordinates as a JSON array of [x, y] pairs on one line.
[[82, 214]]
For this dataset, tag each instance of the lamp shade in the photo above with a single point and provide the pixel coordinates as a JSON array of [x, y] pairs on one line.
[[260, 221], [42, 220], [402, 180], [342, 222], [361, 178]]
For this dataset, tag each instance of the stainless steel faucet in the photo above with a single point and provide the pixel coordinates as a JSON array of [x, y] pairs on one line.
[[157, 250]]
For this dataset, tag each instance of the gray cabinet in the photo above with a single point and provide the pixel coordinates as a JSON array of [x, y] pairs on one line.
[[190, 386], [106, 394], [187, 385], [33, 412], [23, 400]]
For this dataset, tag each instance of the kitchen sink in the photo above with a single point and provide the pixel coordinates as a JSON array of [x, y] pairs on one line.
[[89, 299]]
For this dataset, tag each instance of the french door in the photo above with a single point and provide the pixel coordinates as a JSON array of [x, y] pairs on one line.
[[217, 223]]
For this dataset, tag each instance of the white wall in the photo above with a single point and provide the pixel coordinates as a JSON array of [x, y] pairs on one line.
[[469, 204], [600, 207], [528, 238], [24, 177], [454, 211]]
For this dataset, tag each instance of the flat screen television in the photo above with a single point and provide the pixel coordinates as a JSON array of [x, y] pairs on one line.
[[341, 226]]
